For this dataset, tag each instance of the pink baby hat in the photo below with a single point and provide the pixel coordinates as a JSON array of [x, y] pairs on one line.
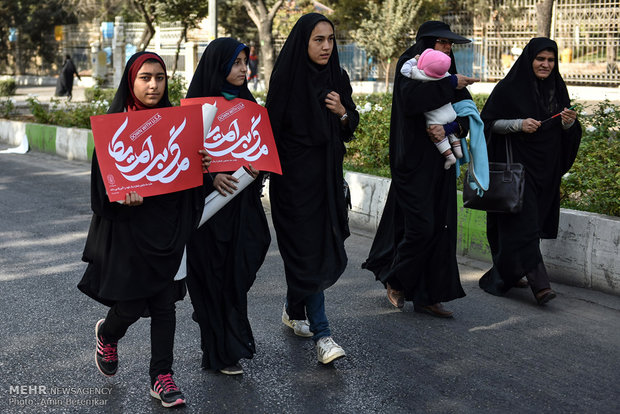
[[434, 63]]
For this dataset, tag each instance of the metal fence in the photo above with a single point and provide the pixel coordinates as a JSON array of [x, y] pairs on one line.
[[587, 33]]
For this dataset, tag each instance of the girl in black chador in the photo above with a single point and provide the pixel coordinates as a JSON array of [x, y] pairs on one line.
[[414, 251], [134, 248], [532, 92], [312, 115], [225, 253]]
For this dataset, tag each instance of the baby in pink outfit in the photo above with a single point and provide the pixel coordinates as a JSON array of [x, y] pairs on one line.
[[433, 65]]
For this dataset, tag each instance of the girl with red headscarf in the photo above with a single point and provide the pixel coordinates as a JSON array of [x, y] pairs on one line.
[[134, 248]]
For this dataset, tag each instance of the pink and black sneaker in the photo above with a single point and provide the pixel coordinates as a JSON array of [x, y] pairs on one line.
[[106, 355], [165, 390]]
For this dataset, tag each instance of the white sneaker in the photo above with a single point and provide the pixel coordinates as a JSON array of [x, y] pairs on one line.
[[300, 327], [327, 350]]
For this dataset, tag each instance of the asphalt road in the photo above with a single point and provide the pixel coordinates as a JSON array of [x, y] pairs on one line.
[[496, 355]]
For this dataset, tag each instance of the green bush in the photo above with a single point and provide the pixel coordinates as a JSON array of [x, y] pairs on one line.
[[99, 94], [6, 108], [176, 89], [66, 114], [7, 87], [593, 183], [369, 151]]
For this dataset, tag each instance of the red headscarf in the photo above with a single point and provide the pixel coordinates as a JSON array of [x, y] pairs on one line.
[[133, 103]]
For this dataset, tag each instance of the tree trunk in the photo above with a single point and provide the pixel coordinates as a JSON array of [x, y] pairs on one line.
[[387, 74], [267, 51], [263, 20], [178, 51], [544, 15], [149, 31]]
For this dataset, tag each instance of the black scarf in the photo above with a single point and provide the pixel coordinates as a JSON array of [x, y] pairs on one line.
[[522, 95], [298, 86], [213, 68]]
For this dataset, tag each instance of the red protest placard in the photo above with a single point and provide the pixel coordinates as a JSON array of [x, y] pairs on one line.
[[240, 134], [151, 152]]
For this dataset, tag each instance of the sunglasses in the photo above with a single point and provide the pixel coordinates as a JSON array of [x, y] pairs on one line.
[[444, 41]]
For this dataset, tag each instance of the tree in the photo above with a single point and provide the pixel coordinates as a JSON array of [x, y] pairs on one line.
[[387, 30], [188, 12], [104, 10], [235, 21], [34, 21], [288, 15], [544, 15], [263, 19]]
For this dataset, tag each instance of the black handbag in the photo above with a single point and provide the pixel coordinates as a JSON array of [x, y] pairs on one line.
[[506, 185]]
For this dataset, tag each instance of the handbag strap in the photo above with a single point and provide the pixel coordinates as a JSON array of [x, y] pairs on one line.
[[508, 150]]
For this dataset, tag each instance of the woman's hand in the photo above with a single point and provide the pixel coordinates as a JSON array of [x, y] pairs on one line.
[[224, 183], [568, 116], [464, 81], [436, 132], [530, 125], [132, 199], [253, 171], [332, 102], [206, 160]]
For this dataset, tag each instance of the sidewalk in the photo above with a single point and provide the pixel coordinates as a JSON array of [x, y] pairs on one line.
[[45, 93], [582, 94]]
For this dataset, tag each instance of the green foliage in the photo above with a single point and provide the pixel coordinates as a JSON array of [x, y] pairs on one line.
[[34, 21], [387, 28], [7, 87], [288, 14], [99, 94], [66, 114], [234, 19], [593, 183], [176, 89], [480, 99], [369, 151], [6, 108]]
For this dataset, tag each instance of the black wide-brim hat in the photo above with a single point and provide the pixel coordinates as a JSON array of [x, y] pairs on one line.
[[438, 30]]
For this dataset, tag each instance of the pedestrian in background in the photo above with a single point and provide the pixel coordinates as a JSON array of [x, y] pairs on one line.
[[134, 248], [253, 68], [414, 251], [312, 114], [521, 109], [226, 252], [64, 84]]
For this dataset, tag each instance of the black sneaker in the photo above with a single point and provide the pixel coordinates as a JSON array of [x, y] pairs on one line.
[[165, 390], [106, 355]]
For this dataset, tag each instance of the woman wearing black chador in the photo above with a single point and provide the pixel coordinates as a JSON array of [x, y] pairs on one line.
[[414, 251], [312, 115], [225, 253], [532, 92]]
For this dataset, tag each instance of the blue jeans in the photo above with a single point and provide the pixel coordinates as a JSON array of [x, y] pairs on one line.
[[315, 312]]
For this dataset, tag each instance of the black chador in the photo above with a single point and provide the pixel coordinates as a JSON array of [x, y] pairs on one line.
[[226, 252], [307, 200]]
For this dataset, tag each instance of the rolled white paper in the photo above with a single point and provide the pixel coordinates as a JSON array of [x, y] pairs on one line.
[[182, 272], [208, 114], [215, 201]]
